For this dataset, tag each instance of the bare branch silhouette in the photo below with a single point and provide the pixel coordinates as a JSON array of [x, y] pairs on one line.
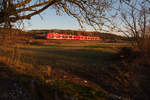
[[85, 11]]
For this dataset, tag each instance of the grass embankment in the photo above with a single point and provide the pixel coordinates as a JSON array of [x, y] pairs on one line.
[[70, 56], [75, 65]]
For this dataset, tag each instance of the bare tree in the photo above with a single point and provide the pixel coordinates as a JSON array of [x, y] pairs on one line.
[[132, 18], [91, 12]]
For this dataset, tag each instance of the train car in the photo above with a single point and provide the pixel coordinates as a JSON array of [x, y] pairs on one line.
[[98, 38], [89, 38], [76, 37], [65, 36], [81, 37], [49, 35], [70, 37]]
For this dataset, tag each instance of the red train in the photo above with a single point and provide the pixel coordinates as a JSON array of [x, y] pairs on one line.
[[70, 37]]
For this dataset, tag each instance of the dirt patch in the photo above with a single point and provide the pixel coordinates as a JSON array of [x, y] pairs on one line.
[[10, 89], [26, 83]]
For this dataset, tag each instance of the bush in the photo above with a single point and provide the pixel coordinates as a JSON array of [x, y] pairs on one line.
[[130, 77], [144, 47], [128, 54]]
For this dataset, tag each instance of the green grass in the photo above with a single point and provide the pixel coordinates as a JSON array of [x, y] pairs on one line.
[[82, 60], [77, 59], [67, 57], [78, 91], [62, 88]]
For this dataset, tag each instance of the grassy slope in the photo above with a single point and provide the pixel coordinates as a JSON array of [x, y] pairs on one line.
[[74, 58], [81, 59]]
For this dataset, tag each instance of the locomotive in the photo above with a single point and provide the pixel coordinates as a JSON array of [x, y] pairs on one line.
[[69, 37]]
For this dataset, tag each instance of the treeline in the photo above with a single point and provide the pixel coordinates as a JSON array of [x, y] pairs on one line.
[[69, 32], [108, 37], [105, 36]]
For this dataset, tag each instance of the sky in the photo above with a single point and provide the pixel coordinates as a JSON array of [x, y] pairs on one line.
[[50, 20]]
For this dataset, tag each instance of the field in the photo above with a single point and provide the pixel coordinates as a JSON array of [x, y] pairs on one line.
[[67, 55], [80, 62]]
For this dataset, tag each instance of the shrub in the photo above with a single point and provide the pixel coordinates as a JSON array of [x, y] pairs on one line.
[[130, 77]]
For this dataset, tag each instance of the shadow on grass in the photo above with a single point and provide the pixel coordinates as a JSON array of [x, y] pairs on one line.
[[33, 87], [83, 56], [82, 62], [97, 46]]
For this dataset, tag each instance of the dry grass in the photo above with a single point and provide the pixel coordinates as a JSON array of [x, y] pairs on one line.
[[45, 83], [82, 59]]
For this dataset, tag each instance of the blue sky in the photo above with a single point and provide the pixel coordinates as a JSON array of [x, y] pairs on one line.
[[51, 21]]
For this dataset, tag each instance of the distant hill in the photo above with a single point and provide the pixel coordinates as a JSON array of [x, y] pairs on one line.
[[106, 37]]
